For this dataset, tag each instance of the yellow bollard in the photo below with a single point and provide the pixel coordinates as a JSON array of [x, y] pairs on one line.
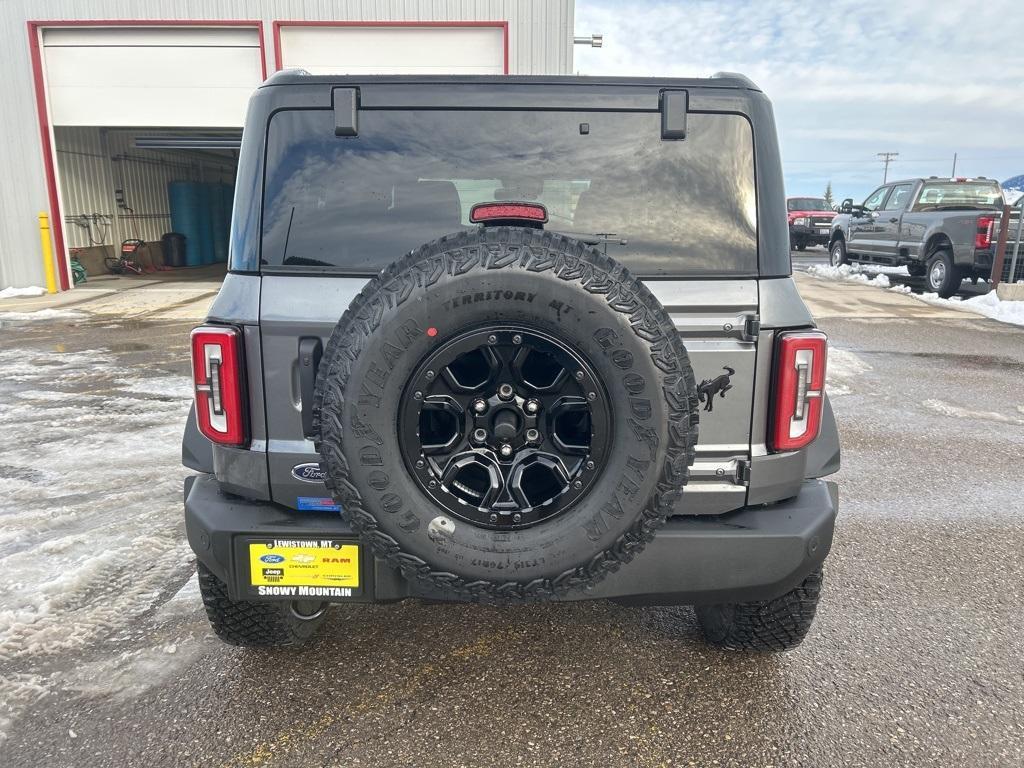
[[44, 236]]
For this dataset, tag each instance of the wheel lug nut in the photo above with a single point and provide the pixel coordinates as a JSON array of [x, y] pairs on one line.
[[578, 484], [417, 395], [532, 406], [479, 406], [505, 391], [532, 435], [480, 435], [579, 375], [419, 464], [517, 339], [505, 450], [492, 339], [493, 518], [430, 375], [516, 517], [591, 465], [591, 396]]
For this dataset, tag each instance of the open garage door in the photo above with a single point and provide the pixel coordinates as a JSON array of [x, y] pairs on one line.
[[161, 76], [470, 48]]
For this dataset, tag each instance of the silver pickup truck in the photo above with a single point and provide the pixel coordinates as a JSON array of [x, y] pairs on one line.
[[942, 229]]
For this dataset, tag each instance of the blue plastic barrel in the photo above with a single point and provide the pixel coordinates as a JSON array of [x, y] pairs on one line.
[[204, 205], [220, 230], [185, 218]]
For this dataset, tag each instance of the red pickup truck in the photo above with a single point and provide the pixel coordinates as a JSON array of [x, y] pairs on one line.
[[810, 221]]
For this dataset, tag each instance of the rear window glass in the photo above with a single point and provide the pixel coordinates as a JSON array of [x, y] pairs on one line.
[[962, 195], [410, 176]]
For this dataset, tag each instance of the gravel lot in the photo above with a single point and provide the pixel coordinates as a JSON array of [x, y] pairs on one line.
[[915, 658]]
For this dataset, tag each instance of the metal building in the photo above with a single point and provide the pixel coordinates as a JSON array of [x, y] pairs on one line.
[[101, 111]]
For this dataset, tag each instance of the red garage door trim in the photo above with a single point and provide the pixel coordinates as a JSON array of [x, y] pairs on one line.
[[502, 25], [42, 108]]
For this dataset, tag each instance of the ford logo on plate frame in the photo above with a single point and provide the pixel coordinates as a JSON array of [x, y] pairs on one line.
[[308, 473]]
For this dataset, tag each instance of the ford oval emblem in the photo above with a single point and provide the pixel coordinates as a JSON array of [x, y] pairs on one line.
[[308, 473], [272, 558]]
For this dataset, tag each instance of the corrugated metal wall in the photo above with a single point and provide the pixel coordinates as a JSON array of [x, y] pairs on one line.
[[93, 162], [540, 42]]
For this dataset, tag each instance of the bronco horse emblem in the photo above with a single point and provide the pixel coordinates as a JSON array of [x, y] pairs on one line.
[[717, 386]]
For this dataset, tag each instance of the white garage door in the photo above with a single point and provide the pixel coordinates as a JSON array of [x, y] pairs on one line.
[[394, 50], [167, 76]]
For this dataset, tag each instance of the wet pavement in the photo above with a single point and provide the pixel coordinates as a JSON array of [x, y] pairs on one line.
[[915, 658]]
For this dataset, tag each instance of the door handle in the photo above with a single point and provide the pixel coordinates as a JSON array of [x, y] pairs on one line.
[[310, 352], [893, 220]]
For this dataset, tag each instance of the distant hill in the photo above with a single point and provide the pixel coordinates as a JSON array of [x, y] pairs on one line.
[[1013, 188]]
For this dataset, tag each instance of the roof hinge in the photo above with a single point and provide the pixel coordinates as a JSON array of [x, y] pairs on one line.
[[751, 327], [346, 111]]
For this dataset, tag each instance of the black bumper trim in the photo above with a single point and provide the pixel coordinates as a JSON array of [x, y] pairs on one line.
[[756, 553]]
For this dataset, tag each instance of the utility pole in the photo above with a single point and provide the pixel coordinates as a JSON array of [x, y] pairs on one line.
[[953, 174], [887, 157]]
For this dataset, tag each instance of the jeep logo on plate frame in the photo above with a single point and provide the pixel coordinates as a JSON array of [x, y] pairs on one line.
[[308, 473]]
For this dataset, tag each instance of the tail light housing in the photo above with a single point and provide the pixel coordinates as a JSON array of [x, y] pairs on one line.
[[217, 376], [986, 228], [799, 389]]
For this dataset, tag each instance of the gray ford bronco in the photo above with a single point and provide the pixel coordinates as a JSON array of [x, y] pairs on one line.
[[470, 330]]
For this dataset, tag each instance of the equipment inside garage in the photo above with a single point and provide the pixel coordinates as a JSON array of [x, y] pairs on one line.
[[162, 199]]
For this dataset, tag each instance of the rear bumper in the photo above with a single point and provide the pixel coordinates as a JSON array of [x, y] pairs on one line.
[[753, 554]]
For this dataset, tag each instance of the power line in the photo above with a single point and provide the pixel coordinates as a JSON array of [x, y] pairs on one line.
[[887, 157]]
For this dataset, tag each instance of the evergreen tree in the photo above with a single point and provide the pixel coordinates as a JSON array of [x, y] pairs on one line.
[[828, 196]]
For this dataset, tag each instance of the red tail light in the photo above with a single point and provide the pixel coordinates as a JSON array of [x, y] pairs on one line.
[[532, 212], [799, 389], [217, 375], [986, 227]]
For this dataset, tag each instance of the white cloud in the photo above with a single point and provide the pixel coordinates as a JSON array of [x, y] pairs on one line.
[[848, 78]]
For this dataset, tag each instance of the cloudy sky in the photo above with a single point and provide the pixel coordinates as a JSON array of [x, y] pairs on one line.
[[849, 79]]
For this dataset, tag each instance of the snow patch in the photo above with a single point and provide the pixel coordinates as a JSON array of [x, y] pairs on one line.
[[42, 314], [180, 387], [849, 273], [17, 293], [843, 366], [956, 412]]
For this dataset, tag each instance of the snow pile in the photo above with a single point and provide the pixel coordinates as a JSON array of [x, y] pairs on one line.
[[850, 273], [17, 293], [988, 305]]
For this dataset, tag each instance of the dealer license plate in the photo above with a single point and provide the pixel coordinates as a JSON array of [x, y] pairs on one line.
[[300, 569], [823, 231]]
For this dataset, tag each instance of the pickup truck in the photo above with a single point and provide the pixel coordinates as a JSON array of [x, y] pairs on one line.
[[941, 229], [809, 221]]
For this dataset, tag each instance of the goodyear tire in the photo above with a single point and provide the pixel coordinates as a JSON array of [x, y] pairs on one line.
[[634, 393]]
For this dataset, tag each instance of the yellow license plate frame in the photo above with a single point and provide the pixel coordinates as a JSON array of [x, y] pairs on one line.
[[285, 568]]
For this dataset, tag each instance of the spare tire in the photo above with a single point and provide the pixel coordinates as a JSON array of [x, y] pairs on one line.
[[505, 414]]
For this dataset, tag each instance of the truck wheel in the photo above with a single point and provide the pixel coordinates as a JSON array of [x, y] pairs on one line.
[[801, 246], [917, 270], [505, 415], [944, 276], [769, 625], [257, 625], [837, 255]]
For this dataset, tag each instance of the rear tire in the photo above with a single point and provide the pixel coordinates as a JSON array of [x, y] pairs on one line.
[[837, 254], [801, 246], [943, 276], [769, 625], [256, 625]]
